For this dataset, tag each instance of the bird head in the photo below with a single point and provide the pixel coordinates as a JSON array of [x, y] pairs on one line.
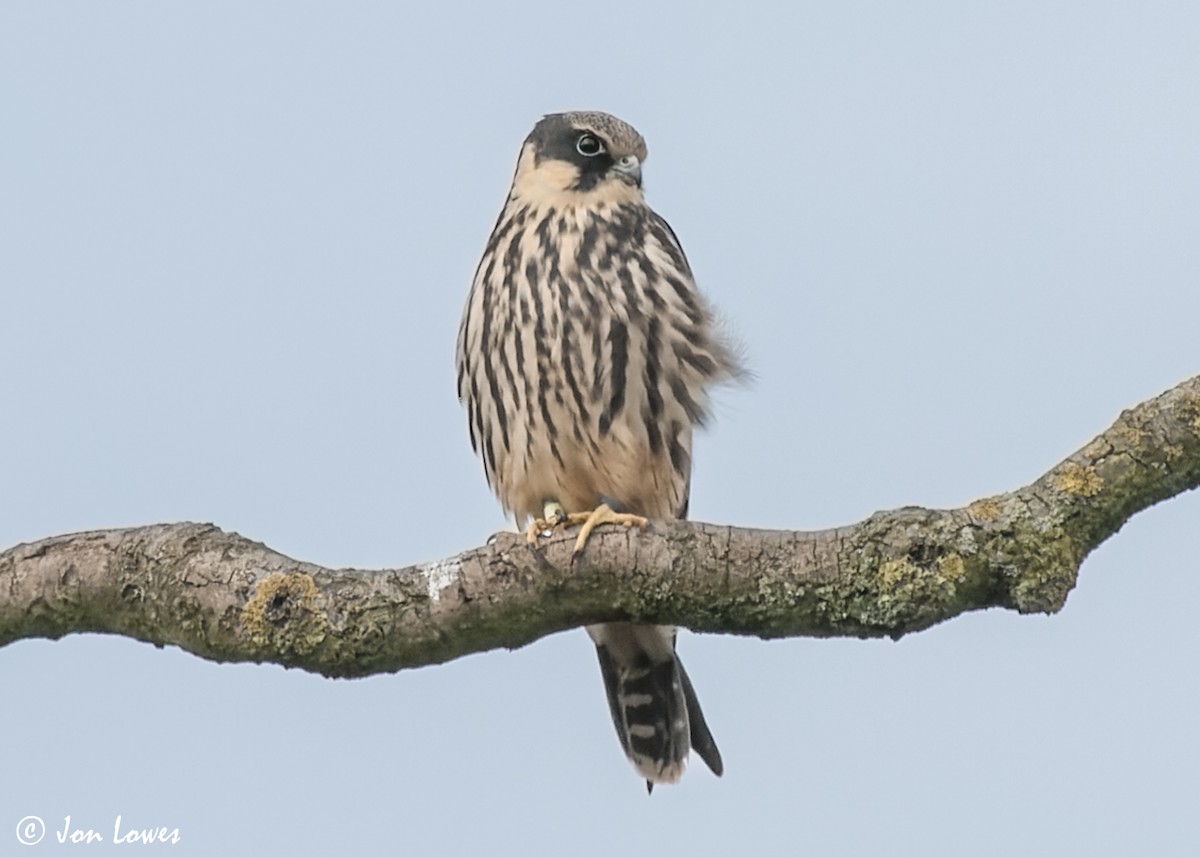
[[583, 157]]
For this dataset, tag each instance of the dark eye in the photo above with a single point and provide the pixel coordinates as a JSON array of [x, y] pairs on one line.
[[589, 145]]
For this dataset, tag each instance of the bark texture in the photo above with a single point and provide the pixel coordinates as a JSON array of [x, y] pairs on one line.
[[224, 597]]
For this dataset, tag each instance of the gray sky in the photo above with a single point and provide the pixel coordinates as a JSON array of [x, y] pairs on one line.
[[956, 240]]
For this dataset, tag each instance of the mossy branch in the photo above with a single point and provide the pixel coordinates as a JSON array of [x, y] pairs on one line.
[[224, 597]]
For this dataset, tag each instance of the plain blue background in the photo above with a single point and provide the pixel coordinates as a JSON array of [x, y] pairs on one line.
[[955, 238]]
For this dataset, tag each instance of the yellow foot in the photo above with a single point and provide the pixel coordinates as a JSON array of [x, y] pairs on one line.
[[602, 514], [555, 516]]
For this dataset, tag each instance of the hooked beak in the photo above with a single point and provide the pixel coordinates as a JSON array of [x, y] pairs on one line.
[[630, 169]]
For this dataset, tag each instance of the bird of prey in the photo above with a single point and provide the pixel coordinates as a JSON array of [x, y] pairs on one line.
[[584, 358]]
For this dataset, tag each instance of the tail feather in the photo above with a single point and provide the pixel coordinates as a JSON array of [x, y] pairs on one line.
[[702, 739], [653, 712], [651, 700]]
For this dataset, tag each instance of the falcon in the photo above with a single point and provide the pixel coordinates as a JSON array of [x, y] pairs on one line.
[[584, 359]]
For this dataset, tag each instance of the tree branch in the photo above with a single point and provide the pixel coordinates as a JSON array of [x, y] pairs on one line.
[[226, 598]]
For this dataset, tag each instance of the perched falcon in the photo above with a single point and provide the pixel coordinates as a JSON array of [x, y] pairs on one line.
[[584, 358]]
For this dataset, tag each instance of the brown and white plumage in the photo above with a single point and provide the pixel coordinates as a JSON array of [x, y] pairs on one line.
[[584, 358]]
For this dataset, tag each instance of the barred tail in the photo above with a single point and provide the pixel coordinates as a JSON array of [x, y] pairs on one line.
[[652, 702]]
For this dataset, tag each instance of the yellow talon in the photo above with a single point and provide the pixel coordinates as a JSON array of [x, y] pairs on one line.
[[555, 516], [602, 514]]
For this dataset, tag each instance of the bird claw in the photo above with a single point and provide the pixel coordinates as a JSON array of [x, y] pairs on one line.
[[554, 516], [557, 517], [537, 527], [602, 514]]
